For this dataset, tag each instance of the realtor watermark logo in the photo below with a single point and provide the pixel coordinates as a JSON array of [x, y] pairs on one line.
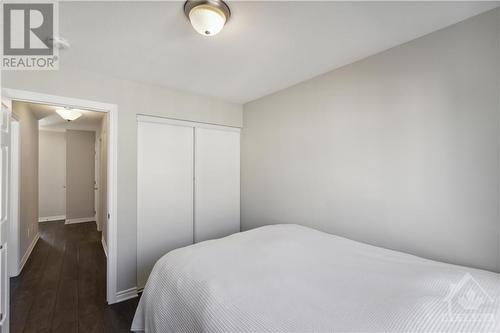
[[28, 33], [467, 301]]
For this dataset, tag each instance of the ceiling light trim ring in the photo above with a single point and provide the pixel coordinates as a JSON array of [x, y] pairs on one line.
[[218, 4]]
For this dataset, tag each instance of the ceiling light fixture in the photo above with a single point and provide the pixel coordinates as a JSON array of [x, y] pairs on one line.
[[207, 16], [59, 43], [68, 113]]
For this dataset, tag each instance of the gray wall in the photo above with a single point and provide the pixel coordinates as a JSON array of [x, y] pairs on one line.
[[52, 174], [131, 98], [400, 150], [80, 174], [28, 187]]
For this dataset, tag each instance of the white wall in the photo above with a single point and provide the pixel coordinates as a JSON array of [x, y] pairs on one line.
[[399, 150], [52, 174], [132, 98], [28, 187]]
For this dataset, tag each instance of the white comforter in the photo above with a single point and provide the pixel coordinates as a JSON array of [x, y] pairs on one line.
[[289, 278]]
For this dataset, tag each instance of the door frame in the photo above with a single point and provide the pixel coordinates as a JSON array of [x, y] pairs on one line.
[[97, 181], [112, 111], [5, 214], [14, 260]]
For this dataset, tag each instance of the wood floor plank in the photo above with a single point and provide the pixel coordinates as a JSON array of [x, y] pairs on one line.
[[91, 323], [63, 285], [23, 287], [40, 316], [66, 309]]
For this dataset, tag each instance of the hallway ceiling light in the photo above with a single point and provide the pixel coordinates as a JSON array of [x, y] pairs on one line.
[[207, 16], [68, 113], [59, 42]]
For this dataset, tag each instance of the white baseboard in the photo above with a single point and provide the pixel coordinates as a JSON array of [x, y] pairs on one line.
[[104, 246], [80, 220], [27, 254], [126, 294], [52, 218]]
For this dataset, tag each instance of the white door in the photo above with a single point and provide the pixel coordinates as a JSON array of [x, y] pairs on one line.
[[164, 192], [4, 212], [217, 182]]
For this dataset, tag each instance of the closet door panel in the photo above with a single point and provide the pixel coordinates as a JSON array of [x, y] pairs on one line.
[[164, 192], [217, 183]]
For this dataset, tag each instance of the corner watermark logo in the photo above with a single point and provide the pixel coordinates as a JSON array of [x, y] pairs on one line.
[[28, 33], [467, 301]]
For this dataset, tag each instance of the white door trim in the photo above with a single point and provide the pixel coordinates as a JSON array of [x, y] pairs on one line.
[[5, 137], [112, 111], [187, 123], [14, 260], [80, 220], [97, 181], [51, 218], [26, 256]]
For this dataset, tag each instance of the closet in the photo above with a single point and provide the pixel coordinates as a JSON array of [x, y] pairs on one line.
[[188, 186]]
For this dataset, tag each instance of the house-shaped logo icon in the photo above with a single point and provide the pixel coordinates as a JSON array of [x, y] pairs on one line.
[[468, 301]]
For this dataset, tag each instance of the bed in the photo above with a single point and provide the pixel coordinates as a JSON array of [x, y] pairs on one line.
[[289, 278]]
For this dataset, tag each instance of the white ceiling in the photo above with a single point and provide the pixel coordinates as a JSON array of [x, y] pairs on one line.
[[265, 47], [48, 119]]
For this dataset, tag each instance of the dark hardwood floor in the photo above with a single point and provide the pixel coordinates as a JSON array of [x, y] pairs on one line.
[[62, 287]]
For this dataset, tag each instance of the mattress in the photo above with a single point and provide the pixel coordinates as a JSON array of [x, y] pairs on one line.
[[289, 278]]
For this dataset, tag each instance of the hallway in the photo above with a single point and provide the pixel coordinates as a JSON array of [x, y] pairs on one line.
[[62, 288]]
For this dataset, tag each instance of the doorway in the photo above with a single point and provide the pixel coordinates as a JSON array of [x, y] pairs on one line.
[[107, 176], [55, 240]]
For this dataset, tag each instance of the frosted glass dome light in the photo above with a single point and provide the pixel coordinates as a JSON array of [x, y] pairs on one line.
[[68, 114], [207, 17]]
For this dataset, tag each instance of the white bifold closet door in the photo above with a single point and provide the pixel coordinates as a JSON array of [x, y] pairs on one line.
[[164, 192], [217, 182]]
